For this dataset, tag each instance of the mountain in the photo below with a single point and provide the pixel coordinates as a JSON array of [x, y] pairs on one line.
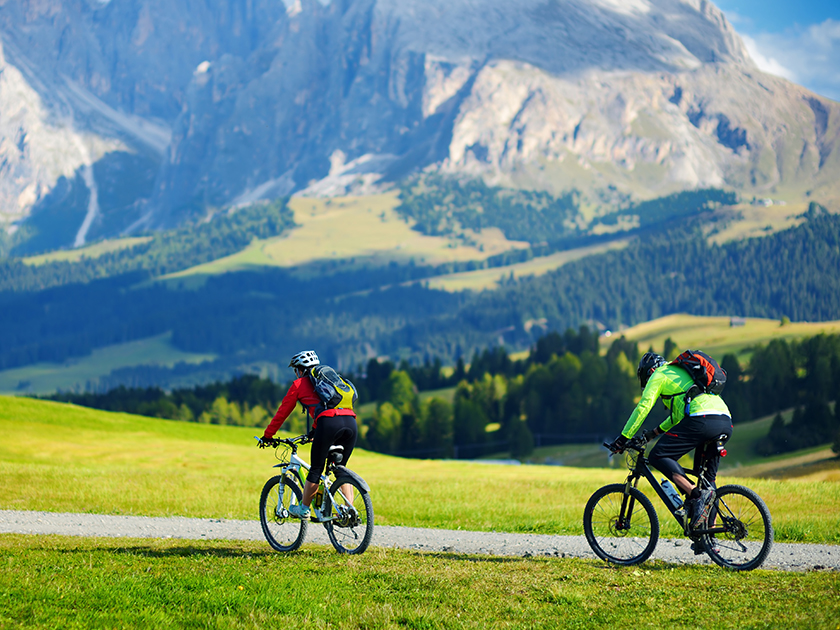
[[127, 115]]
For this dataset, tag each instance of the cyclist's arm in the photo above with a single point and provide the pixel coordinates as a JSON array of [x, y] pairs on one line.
[[643, 408], [283, 412]]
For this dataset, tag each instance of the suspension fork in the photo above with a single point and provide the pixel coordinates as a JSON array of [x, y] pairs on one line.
[[628, 502]]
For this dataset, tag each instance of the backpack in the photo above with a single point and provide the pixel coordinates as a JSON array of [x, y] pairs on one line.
[[334, 391], [708, 376]]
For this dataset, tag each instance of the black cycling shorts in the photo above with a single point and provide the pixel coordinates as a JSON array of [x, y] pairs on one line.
[[692, 432], [331, 430]]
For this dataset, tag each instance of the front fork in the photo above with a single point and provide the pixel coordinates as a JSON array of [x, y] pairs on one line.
[[293, 473], [627, 504]]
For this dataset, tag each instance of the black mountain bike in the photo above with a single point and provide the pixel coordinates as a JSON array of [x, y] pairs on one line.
[[622, 527]]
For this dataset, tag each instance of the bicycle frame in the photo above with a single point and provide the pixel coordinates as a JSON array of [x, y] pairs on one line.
[[641, 469], [295, 468]]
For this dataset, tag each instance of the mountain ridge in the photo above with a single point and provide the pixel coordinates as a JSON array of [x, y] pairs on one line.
[[251, 100]]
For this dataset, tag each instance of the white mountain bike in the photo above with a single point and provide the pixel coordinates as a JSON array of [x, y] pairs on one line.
[[342, 502]]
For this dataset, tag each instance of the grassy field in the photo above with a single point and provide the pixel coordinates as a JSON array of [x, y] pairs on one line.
[[58, 582], [490, 278], [75, 374], [92, 251], [58, 458], [360, 230], [759, 220], [715, 335]]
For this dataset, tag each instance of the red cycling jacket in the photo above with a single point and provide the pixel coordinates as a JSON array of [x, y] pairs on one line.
[[303, 391]]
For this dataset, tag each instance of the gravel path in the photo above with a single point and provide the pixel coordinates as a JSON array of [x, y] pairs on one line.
[[785, 556]]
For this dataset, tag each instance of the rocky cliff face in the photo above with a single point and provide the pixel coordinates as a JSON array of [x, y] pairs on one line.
[[264, 98]]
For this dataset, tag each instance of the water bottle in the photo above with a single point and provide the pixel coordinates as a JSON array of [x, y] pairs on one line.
[[319, 496], [673, 495]]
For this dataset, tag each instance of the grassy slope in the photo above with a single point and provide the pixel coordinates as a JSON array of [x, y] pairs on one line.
[[489, 278], [59, 457], [92, 251], [759, 220], [46, 378], [715, 335], [356, 229]]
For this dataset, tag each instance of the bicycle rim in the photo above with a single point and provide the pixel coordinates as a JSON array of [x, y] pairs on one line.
[[282, 531], [351, 527], [749, 530], [611, 535]]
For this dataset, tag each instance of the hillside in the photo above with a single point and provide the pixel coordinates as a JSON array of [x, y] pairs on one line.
[[719, 335], [245, 312]]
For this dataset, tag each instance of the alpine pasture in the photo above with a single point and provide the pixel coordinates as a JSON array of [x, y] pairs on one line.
[[64, 458]]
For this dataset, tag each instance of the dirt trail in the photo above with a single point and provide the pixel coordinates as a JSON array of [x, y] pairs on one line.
[[784, 556]]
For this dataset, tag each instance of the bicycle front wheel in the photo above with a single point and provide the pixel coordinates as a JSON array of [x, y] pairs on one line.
[[746, 543], [622, 529], [351, 512], [283, 531]]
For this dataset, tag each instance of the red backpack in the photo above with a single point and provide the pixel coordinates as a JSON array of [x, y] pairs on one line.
[[708, 376]]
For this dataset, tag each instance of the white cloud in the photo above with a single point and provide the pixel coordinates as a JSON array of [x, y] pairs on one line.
[[809, 56], [765, 62]]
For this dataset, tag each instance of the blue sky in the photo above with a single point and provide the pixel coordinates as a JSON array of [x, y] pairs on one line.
[[799, 40]]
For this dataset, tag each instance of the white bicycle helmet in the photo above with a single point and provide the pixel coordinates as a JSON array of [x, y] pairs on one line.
[[304, 360]]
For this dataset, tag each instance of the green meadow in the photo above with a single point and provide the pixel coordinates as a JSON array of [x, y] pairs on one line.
[[60, 582], [91, 251], [59, 457], [63, 458], [360, 230]]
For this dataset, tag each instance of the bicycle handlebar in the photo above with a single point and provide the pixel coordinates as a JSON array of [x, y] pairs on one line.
[[275, 442], [635, 444]]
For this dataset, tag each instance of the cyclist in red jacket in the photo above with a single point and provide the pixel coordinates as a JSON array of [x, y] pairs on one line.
[[329, 426]]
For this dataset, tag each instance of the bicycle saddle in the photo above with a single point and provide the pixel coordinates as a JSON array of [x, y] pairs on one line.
[[336, 453]]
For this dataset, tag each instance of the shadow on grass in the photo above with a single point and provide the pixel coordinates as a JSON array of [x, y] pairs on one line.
[[180, 551]]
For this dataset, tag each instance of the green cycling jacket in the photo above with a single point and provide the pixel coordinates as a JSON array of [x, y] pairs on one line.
[[671, 383]]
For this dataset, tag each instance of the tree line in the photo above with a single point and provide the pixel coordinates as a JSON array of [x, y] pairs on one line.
[[564, 391]]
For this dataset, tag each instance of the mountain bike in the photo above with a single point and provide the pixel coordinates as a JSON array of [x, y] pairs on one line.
[[622, 527], [341, 504]]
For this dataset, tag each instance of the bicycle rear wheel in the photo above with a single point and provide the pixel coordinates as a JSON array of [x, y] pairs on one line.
[[619, 531], [746, 543], [351, 527], [283, 531]]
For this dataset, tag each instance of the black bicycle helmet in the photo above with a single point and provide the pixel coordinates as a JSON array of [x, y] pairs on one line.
[[304, 360], [649, 363]]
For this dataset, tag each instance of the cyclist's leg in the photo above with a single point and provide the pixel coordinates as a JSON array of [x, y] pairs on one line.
[[321, 442], [667, 452], [713, 428], [346, 437]]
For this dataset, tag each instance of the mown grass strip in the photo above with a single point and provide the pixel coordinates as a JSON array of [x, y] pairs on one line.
[[53, 581]]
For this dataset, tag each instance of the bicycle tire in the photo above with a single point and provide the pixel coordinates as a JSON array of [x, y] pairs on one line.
[[749, 537], [283, 533], [611, 542], [349, 532]]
